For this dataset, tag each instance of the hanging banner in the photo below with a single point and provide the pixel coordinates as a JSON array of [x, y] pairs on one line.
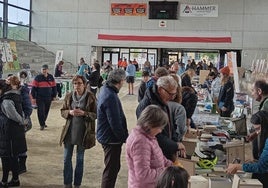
[[187, 10], [231, 63], [9, 55], [59, 56], [127, 9]]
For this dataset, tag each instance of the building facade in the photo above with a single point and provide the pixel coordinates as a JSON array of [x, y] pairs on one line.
[[87, 28]]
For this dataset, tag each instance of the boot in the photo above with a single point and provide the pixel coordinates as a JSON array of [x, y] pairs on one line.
[[22, 164], [13, 183]]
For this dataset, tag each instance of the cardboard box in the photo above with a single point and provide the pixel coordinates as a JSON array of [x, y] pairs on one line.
[[190, 144], [188, 165], [234, 150], [198, 182], [245, 183]]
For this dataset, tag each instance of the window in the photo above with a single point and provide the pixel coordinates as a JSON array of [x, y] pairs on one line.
[[15, 20], [18, 16], [20, 3]]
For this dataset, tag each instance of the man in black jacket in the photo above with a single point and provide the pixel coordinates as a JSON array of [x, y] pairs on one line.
[[159, 94]]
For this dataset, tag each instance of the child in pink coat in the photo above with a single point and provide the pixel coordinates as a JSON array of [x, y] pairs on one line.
[[145, 159]]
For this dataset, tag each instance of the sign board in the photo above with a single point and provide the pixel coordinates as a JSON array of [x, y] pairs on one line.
[[59, 56], [128, 9], [187, 10], [203, 76]]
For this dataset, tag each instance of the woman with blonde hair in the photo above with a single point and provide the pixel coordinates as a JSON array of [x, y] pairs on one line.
[[226, 95], [145, 158]]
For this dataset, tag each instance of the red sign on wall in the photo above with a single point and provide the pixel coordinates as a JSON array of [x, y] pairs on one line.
[[128, 9]]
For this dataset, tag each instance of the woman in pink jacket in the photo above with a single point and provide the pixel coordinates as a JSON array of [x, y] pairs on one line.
[[145, 159]]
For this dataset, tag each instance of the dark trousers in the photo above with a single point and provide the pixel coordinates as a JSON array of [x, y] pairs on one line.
[[59, 87], [10, 163], [112, 154], [43, 106]]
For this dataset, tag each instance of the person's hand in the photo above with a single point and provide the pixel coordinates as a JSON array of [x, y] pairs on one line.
[[233, 168], [223, 109], [182, 150], [77, 112], [34, 101]]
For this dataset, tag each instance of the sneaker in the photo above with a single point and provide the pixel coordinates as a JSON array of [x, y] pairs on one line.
[[42, 128], [13, 183], [45, 126]]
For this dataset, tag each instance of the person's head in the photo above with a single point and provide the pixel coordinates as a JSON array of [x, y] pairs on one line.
[[260, 90], [167, 88], [44, 69], [13, 81], [189, 61], [82, 61], [224, 74], [23, 74], [191, 72], [214, 69], [161, 71], [4, 87], [212, 76], [116, 78], [79, 84], [96, 66], [145, 76], [61, 62], [175, 67], [173, 177], [153, 120]]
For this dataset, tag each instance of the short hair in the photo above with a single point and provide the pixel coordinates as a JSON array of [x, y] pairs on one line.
[[76, 77], [14, 80], [4, 87], [97, 66], [152, 117], [212, 74], [116, 76], [61, 62], [161, 71], [23, 72], [173, 177], [145, 73], [167, 82], [261, 84]]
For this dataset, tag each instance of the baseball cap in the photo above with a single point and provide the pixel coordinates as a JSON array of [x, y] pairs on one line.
[[45, 66]]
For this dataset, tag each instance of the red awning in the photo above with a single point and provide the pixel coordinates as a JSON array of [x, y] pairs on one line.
[[158, 38]]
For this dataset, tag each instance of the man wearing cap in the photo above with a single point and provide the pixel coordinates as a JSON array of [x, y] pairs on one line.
[[43, 92], [226, 95]]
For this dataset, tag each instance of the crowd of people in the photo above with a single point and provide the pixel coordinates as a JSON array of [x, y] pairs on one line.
[[167, 101]]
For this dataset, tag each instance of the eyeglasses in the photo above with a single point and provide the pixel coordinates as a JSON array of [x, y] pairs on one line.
[[170, 94], [78, 83]]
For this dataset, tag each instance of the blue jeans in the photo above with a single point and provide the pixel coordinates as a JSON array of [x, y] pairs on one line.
[[68, 166]]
